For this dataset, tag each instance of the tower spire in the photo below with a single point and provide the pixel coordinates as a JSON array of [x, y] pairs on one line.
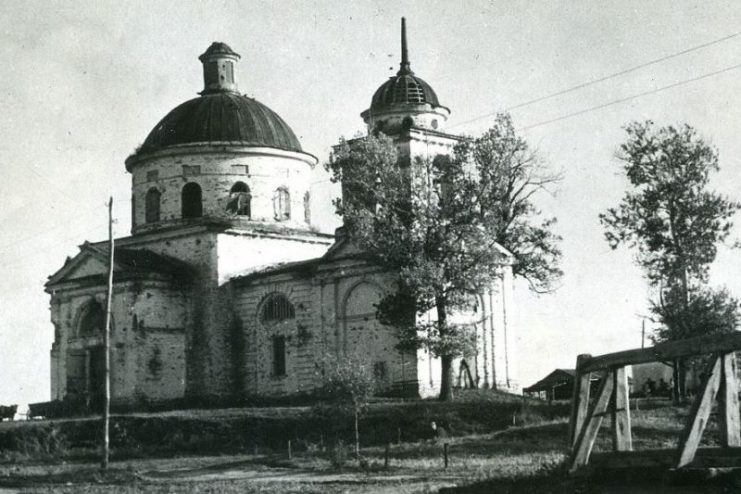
[[405, 66]]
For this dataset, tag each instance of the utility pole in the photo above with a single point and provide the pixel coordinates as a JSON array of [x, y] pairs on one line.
[[107, 341], [643, 333]]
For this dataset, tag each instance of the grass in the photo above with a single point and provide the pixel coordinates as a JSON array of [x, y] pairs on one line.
[[487, 454]]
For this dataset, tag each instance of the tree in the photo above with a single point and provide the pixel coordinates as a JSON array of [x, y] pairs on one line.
[[709, 312], [437, 222], [349, 384], [675, 223]]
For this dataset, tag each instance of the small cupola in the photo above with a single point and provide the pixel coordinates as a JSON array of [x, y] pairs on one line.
[[218, 69], [404, 100]]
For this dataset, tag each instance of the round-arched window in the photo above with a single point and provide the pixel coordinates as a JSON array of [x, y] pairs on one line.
[[152, 206], [240, 200], [276, 308], [92, 320], [192, 205]]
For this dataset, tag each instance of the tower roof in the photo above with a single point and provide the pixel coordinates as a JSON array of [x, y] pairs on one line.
[[404, 88]]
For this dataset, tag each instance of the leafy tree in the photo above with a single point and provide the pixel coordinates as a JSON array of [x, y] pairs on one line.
[[349, 384], [437, 222], [675, 223], [709, 312], [669, 216]]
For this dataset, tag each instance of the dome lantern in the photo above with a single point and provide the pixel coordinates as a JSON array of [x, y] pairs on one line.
[[218, 68]]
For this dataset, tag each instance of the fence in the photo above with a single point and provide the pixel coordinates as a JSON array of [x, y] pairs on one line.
[[612, 399]]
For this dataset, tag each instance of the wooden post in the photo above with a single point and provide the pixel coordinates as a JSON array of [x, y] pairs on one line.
[[107, 343], [728, 412], [588, 432], [580, 399], [289, 449], [386, 455], [699, 414], [445, 454], [621, 434]]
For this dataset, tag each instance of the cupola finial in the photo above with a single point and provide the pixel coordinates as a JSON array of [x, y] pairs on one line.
[[405, 66]]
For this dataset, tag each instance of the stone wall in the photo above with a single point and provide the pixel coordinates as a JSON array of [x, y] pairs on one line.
[[262, 170], [141, 311]]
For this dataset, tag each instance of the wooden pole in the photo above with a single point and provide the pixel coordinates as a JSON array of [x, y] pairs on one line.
[[621, 433], [445, 454], [107, 343], [289, 449], [728, 416]]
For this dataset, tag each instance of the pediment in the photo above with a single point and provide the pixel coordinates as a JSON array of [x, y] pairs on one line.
[[342, 249], [92, 263]]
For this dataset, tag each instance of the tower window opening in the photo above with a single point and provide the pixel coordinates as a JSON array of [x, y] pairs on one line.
[[192, 205], [152, 206], [240, 200], [282, 204]]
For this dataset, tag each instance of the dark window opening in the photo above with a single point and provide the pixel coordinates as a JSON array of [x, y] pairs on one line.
[[92, 321], [279, 355], [380, 372], [191, 201], [152, 206], [211, 72], [240, 200], [277, 308]]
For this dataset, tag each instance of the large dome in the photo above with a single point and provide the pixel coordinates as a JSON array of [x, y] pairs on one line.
[[221, 115], [222, 118]]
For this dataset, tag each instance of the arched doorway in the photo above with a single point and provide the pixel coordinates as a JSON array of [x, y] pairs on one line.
[[86, 359]]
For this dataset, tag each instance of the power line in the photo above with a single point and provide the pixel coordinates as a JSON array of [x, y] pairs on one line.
[[632, 97], [600, 79]]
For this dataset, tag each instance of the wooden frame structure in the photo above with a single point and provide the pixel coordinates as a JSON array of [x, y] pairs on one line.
[[612, 399]]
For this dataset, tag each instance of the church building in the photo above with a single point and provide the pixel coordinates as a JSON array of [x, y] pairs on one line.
[[224, 289]]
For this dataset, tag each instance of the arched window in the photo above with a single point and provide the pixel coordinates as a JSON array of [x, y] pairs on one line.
[[240, 200], [152, 206], [282, 204], [276, 308], [92, 320], [192, 206], [307, 207]]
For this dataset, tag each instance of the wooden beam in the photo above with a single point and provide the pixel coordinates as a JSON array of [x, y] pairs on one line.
[[579, 400], [704, 457], [621, 434], [588, 432], [699, 414], [728, 412], [665, 351]]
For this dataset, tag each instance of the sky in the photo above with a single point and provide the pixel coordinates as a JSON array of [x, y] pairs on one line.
[[84, 82]]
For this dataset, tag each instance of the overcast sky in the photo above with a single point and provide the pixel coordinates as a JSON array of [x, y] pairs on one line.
[[83, 83]]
